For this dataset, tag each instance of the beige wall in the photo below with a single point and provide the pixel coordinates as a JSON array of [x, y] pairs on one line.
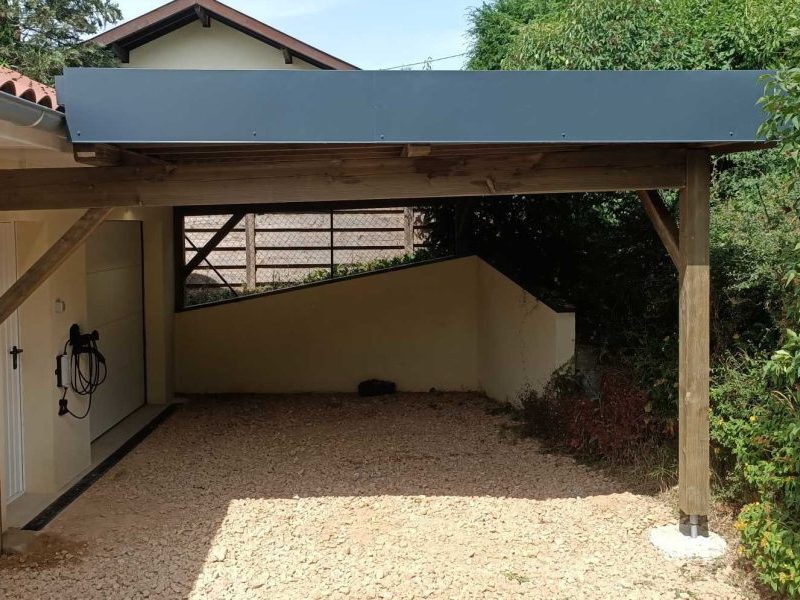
[[521, 340], [413, 326], [58, 448], [217, 47], [452, 325]]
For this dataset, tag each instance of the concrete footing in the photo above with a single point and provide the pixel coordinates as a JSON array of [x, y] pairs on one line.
[[674, 544]]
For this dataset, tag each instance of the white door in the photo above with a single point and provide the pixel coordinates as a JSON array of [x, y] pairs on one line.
[[115, 309], [11, 360]]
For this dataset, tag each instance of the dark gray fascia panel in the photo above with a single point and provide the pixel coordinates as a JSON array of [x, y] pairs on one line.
[[174, 106]]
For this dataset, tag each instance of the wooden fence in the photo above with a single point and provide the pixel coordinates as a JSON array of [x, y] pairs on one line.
[[274, 250]]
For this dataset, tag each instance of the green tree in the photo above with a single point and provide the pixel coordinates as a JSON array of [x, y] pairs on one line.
[[495, 25], [635, 34], [41, 37]]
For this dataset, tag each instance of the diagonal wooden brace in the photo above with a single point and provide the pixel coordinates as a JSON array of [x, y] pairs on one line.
[[50, 261], [663, 223]]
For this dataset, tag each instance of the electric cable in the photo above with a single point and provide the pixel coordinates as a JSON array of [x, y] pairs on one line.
[[85, 378], [425, 62]]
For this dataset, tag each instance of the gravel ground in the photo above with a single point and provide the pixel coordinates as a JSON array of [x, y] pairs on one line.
[[415, 496]]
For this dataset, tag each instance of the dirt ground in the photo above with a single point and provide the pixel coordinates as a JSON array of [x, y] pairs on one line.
[[415, 496]]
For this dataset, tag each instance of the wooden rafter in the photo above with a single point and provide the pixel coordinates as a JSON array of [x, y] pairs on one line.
[[203, 16], [415, 150], [346, 179], [664, 224], [13, 298], [212, 243]]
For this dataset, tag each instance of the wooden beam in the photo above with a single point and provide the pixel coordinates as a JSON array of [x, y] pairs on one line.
[[121, 53], [694, 361], [287, 56], [415, 150], [203, 15], [212, 243], [342, 180], [662, 221], [50, 261], [106, 155]]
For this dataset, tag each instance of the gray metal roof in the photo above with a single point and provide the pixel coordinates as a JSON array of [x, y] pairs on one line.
[[173, 106]]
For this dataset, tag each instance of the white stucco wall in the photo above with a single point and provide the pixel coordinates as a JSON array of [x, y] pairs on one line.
[[58, 448], [521, 340], [217, 47], [453, 325]]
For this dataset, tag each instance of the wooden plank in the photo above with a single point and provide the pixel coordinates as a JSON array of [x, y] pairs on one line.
[[50, 261], [211, 244], [694, 474], [664, 224], [345, 180]]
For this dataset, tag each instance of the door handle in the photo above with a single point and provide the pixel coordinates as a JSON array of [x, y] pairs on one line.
[[15, 352]]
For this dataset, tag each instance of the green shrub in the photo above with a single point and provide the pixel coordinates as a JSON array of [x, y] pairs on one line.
[[617, 425], [771, 540], [366, 267], [755, 427]]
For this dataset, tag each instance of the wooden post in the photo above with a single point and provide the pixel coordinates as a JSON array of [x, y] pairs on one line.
[[694, 361], [408, 229], [50, 261], [333, 248], [250, 251]]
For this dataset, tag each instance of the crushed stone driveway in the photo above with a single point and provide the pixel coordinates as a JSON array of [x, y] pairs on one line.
[[410, 496]]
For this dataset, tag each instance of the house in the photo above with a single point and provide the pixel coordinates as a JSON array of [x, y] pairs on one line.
[[266, 251], [89, 238]]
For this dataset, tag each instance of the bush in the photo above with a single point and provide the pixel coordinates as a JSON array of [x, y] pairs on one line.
[[756, 431], [770, 539], [617, 425]]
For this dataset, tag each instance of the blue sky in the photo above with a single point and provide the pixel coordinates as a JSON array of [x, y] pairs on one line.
[[373, 34]]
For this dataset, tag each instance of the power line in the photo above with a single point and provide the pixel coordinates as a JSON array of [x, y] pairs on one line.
[[425, 62]]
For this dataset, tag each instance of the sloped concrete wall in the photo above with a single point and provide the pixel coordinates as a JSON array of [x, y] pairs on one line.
[[521, 341], [414, 326], [453, 325]]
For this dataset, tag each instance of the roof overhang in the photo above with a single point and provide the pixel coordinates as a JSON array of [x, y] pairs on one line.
[[142, 106]]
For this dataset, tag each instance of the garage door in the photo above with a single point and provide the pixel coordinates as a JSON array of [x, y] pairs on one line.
[[115, 309]]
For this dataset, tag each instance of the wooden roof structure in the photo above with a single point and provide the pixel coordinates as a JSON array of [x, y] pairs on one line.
[[358, 136]]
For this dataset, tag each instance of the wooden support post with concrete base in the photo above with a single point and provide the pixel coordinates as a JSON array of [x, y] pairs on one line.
[[688, 246], [694, 360]]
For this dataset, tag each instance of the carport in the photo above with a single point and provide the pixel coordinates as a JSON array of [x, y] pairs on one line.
[[257, 138]]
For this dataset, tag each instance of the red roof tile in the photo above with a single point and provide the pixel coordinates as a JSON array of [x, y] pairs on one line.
[[17, 84]]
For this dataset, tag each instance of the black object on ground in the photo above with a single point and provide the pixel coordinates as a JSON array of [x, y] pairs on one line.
[[376, 387]]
